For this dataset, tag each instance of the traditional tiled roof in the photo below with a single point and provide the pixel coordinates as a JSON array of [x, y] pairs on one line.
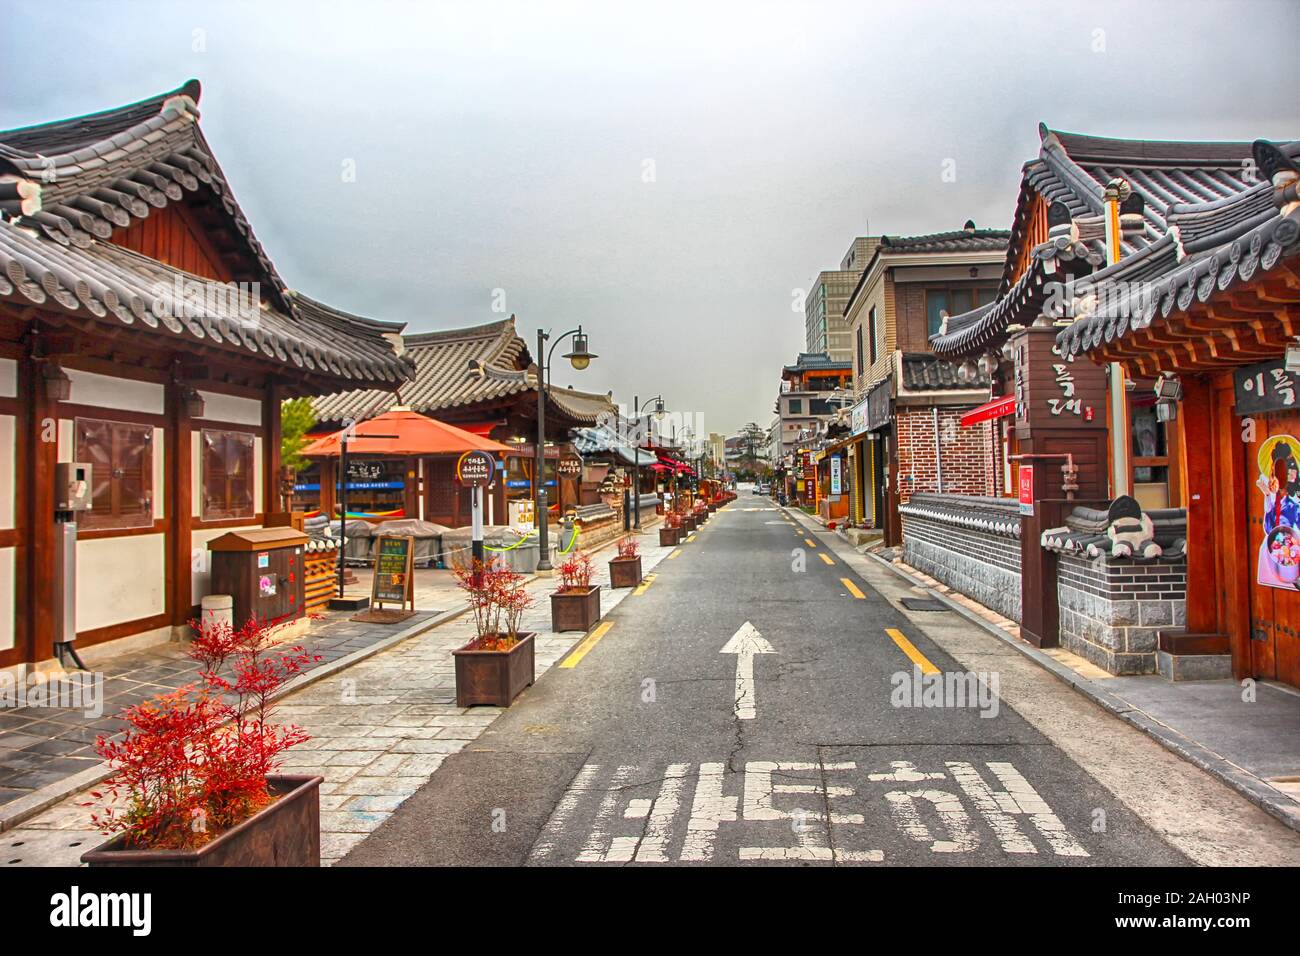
[[1084, 534], [1188, 189], [999, 516], [66, 186], [462, 367], [601, 440], [958, 240], [923, 372]]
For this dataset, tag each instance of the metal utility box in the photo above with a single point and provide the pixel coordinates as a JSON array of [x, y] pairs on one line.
[[262, 570], [72, 484]]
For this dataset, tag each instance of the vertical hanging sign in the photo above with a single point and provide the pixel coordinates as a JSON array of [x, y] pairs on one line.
[[1026, 474]]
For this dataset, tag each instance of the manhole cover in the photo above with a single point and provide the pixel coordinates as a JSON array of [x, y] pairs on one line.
[[923, 604]]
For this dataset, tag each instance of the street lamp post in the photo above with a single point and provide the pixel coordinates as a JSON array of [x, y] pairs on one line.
[[579, 357], [636, 454]]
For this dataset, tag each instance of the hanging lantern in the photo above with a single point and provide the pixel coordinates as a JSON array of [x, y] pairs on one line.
[[58, 387]]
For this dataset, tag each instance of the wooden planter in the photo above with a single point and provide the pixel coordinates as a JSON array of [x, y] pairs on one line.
[[625, 572], [713, 506], [575, 610], [688, 524], [669, 537], [493, 678], [286, 833]]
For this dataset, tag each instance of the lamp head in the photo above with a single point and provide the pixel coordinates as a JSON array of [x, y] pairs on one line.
[[579, 356]]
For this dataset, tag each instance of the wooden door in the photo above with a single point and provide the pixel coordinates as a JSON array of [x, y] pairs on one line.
[[1273, 546]]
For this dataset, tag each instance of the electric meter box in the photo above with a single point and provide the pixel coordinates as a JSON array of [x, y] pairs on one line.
[[262, 570], [72, 481]]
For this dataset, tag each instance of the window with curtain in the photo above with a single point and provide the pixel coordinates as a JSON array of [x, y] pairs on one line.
[[227, 473], [120, 455]]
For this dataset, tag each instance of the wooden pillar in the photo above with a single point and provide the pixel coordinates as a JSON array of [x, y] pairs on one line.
[[178, 469], [271, 448], [328, 471], [38, 454]]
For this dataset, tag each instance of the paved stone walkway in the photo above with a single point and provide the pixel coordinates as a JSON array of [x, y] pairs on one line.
[[379, 730]]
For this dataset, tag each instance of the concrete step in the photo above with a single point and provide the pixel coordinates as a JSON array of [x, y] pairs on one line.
[[1181, 667], [1178, 641], [860, 536]]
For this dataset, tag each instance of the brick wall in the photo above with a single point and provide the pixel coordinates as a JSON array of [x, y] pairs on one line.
[[1111, 609], [970, 544], [965, 454]]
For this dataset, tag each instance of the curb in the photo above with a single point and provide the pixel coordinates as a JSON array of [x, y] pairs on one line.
[[24, 808], [1270, 800]]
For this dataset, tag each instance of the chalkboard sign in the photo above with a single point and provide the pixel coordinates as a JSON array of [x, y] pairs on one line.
[[394, 582], [1266, 387]]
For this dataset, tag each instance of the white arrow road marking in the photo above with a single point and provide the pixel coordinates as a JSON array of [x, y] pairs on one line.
[[745, 643]]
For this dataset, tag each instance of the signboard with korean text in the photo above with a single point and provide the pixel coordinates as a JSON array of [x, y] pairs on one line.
[[1026, 474], [835, 475], [394, 580], [1266, 387], [1053, 392], [476, 469], [570, 466]]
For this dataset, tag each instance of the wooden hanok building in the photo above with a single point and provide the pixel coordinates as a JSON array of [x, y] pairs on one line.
[[1212, 308], [482, 379], [143, 331]]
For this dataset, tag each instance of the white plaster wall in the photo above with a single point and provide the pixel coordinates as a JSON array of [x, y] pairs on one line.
[[196, 474], [120, 579], [8, 477], [7, 598], [91, 388], [257, 476], [231, 408], [201, 559], [8, 378]]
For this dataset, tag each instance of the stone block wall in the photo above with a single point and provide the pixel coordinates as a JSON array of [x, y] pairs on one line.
[[971, 544], [1111, 610]]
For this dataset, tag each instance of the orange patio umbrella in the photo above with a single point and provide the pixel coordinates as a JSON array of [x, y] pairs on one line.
[[403, 432]]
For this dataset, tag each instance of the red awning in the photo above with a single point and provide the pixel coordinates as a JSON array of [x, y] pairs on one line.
[[990, 410]]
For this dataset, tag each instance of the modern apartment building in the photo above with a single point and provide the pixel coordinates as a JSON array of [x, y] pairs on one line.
[[824, 323]]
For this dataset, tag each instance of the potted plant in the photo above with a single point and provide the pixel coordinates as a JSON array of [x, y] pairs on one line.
[[575, 605], [670, 534], [625, 569], [194, 780], [495, 667]]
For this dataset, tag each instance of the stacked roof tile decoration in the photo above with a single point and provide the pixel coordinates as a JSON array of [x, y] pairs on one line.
[[1084, 534], [922, 372], [458, 367], [66, 186], [1179, 189], [1209, 248], [999, 516]]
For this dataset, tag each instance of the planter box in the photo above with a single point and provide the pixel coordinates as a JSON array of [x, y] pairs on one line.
[[493, 678], [713, 506], [286, 833], [575, 610], [688, 524], [625, 572], [670, 537]]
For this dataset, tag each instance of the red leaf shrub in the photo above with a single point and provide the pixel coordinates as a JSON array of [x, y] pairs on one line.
[[194, 763], [575, 573], [628, 547], [498, 600]]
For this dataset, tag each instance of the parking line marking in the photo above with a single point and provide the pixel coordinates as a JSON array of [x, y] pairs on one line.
[[825, 557], [641, 588], [853, 589], [908, 648], [810, 542], [587, 644], [674, 554]]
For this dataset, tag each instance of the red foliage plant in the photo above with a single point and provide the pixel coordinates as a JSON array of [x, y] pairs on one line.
[[193, 763], [628, 547], [498, 601], [672, 520], [575, 573]]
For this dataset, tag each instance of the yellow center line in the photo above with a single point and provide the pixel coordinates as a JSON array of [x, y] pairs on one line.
[[853, 589], [587, 644], [690, 539], [908, 648], [674, 554], [810, 542], [641, 588], [826, 558]]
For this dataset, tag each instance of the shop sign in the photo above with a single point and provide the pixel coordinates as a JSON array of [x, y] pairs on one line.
[[475, 469], [858, 418], [1266, 387], [393, 581], [835, 475], [1026, 474], [570, 466], [878, 402]]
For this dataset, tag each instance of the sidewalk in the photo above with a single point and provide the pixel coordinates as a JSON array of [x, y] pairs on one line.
[[378, 729], [1253, 746], [48, 752]]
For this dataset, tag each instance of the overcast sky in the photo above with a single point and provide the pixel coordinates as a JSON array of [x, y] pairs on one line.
[[667, 176]]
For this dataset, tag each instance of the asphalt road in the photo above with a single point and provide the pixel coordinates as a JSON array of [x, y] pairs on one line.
[[642, 752]]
